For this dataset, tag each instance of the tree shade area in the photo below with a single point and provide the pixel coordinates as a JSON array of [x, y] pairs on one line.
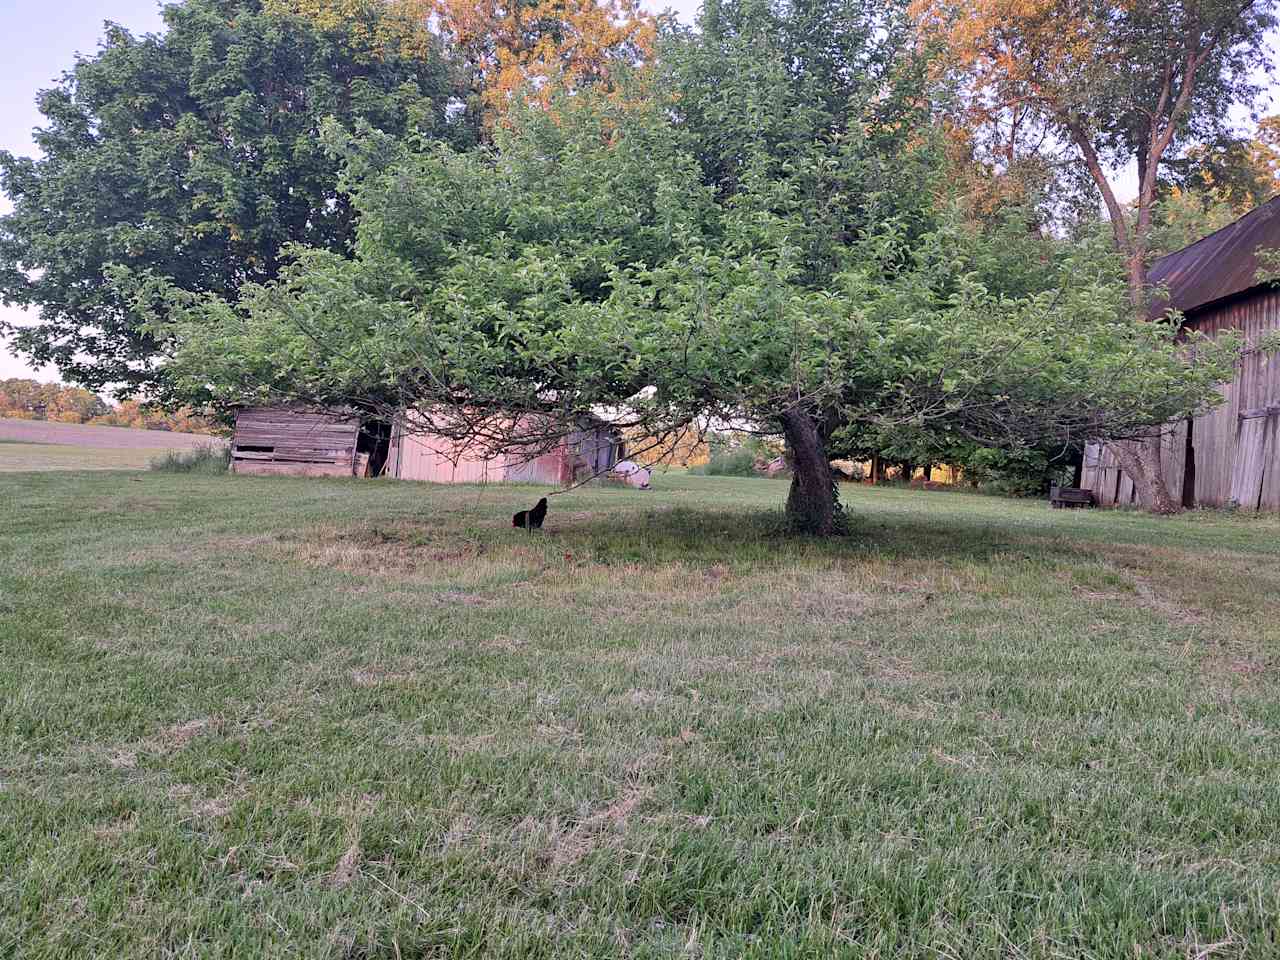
[[864, 228]]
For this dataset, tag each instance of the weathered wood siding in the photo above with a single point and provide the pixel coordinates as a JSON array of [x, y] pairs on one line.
[[1237, 444], [291, 441], [1111, 487], [1231, 451]]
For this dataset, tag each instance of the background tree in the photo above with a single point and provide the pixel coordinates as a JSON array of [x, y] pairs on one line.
[[376, 29], [525, 50], [506, 52], [1123, 82], [1213, 186], [32, 400], [194, 154]]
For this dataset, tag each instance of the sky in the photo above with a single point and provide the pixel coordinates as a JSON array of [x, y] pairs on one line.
[[42, 40]]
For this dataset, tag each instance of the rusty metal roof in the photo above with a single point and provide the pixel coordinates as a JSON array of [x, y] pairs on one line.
[[1221, 265]]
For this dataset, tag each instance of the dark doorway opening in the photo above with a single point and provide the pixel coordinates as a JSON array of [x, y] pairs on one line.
[[1075, 459], [1189, 469], [375, 440]]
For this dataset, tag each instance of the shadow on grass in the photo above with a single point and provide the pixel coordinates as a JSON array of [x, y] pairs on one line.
[[764, 539], [949, 534]]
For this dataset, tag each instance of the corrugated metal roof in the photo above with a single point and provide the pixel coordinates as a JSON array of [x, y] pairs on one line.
[[1221, 265]]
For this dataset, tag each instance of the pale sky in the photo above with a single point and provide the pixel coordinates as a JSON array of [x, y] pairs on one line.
[[42, 39]]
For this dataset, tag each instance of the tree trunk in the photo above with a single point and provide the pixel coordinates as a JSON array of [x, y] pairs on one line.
[[1141, 462], [1142, 468], [811, 504]]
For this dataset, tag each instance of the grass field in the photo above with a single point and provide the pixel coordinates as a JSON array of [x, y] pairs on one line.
[[26, 457], [261, 717], [27, 445]]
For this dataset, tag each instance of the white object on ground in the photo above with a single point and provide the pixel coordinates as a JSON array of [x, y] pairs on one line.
[[634, 474]]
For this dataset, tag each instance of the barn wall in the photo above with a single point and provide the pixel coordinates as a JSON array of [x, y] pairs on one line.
[[430, 458], [552, 468], [289, 441], [434, 459], [1236, 460], [1227, 448]]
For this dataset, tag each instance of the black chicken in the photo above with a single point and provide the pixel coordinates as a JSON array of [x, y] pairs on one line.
[[531, 519]]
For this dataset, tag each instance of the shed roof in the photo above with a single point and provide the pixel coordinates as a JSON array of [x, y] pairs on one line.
[[1221, 265]]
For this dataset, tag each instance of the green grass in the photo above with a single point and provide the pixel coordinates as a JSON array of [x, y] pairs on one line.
[[16, 457], [261, 717]]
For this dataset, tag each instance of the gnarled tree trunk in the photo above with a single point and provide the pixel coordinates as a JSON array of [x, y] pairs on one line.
[[812, 506]]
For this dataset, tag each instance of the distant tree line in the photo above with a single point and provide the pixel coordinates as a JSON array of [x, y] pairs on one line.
[[31, 400]]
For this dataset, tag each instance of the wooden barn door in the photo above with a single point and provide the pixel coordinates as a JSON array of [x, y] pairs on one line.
[[1089, 468], [1103, 476], [1248, 470]]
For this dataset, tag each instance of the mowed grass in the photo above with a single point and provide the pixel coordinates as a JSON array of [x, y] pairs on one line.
[[261, 717], [26, 457]]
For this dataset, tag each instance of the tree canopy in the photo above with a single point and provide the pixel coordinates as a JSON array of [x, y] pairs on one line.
[[584, 266], [194, 154]]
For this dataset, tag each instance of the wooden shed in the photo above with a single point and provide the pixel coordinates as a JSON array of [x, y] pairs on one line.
[[296, 440], [1230, 455]]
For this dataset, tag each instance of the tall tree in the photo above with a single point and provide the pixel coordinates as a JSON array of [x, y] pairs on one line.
[[377, 29], [1123, 82], [511, 51], [803, 115], [194, 154]]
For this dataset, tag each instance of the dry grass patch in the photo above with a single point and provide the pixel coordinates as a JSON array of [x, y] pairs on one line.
[[347, 867], [202, 807], [168, 740], [396, 549], [562, 844], [377, 676]]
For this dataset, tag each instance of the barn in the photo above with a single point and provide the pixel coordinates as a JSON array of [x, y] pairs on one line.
[[590, 449], [1230, 455], [339, 442]]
